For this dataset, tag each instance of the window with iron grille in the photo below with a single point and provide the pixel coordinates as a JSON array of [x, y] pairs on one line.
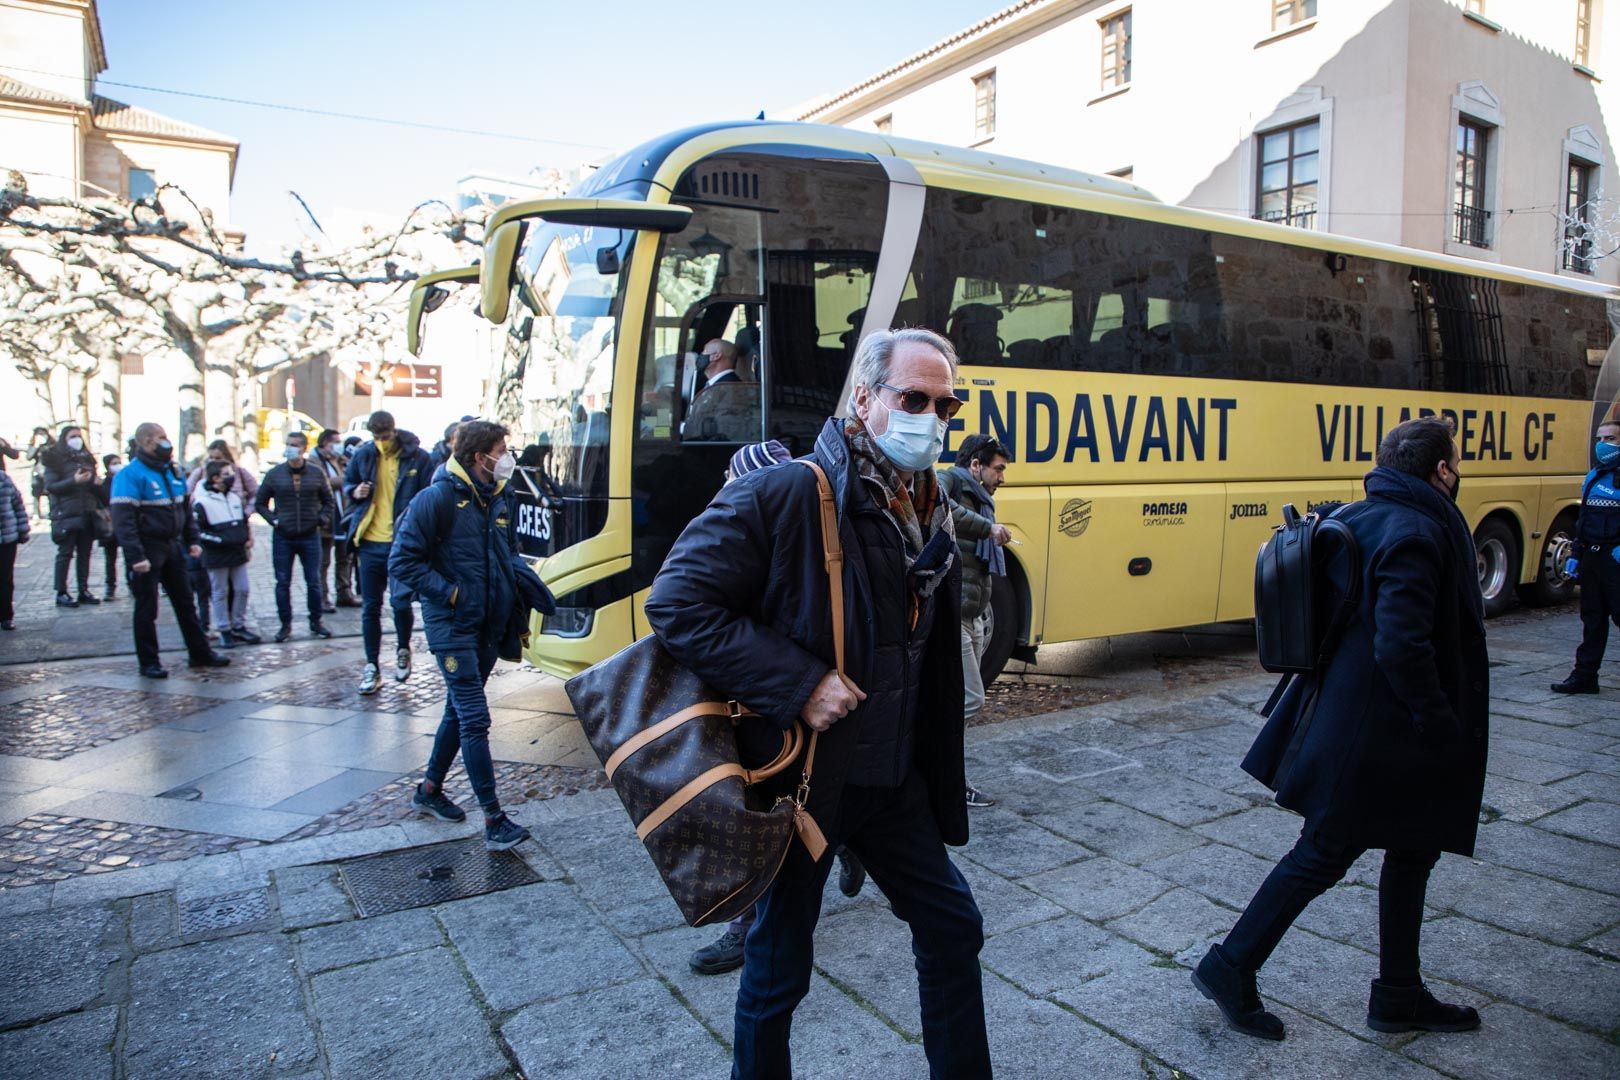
[[1578, 216], [1116, 50], [1286, 13], [984, 105], [1472, 217], [1583, 32], [1287, 182]]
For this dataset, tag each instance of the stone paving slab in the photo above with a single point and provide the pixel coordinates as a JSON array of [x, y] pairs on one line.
[[584, 1036]]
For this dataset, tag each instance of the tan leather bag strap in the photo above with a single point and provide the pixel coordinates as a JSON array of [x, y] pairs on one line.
[[690, 791], [832, 557]]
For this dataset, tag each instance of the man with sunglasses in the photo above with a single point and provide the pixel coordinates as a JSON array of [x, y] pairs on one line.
[[1597, 559], [742, 601]]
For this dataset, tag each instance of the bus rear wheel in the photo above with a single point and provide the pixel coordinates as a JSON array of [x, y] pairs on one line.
[[1497, 558], [1551, 585]]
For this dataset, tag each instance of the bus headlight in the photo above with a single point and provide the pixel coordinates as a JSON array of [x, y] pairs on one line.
[[569, 622]]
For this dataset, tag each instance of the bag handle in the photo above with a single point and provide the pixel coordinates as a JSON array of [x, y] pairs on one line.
[[832, 558]]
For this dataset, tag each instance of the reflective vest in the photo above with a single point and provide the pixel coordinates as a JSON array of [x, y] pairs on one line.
[[1600, 509]]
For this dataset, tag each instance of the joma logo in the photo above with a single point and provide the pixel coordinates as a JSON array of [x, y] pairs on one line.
[[1248, 510]]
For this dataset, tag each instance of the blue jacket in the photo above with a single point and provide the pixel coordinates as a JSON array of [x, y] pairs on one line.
[[149, 509], [1599, 521], [1385, 748], [456, 549], [13, 511], [415, 473], [742, 602]]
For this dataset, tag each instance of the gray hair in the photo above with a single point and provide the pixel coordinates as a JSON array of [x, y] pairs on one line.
[[875, 356]]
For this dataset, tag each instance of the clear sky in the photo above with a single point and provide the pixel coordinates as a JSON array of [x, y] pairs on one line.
[[595, 76]]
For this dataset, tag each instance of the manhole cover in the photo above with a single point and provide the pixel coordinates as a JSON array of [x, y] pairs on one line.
[[214, 913], [417, 877], [187, 794]]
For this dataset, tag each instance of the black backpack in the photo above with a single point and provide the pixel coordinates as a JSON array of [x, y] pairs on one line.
[[1307, 584]]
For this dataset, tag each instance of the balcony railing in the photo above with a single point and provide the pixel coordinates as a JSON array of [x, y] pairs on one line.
[[1472, 223], [1300, 219]]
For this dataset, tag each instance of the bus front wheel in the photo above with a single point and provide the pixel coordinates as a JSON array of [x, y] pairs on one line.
[[1497, 557], [1004, 634]]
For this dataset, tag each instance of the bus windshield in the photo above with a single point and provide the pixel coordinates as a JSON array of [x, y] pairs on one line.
[[554, 386]]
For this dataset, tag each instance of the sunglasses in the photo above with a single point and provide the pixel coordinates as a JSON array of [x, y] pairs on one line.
[[917, 401]]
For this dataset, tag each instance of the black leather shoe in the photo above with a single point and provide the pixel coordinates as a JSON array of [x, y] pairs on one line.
[[88, 597], [153, 671], [284, 633], [227, 640], [1237, 995], [319, 630], [1413, 1008], [719, 957], [64, 600], [213, 659], [851, 874], [1577, 683]]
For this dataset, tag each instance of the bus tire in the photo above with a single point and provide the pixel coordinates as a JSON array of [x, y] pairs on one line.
[[1004, 634], [1497, 551], [1551, 586]]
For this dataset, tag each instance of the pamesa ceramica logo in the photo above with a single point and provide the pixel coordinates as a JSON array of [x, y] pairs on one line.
[[1075, 517]]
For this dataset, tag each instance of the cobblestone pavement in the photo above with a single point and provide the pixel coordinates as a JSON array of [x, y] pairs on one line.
[[1124, 840]]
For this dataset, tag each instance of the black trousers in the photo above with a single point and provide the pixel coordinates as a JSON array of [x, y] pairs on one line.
[[8, 580], [893, 833], [1311, 869], [79, 542], [109, 552], [1600, 604], [169, 571]]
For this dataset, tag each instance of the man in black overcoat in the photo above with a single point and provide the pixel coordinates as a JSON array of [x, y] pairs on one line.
[[1385, 747], [742, 601]]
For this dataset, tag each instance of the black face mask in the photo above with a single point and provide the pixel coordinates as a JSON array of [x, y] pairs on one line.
[[164, 450], [1456, 484]]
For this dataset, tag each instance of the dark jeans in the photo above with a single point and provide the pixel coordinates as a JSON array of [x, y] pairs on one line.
[[79, 542], [109, 554], [465, 726], [8, 568], [892, 831], [169, 571], [308, 551], [1600, 602], [1311, 869], [373, 583]]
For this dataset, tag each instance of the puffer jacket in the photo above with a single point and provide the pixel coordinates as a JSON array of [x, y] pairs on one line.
[[222, 526], [456, 549], [303, 501], [13, 512], [742, 602], [73, 502], [967, 514]]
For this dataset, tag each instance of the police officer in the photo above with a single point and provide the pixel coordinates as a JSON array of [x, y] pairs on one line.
[[1597, 532]]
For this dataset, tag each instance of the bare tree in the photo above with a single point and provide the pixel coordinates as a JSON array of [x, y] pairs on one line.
[[85, 281]]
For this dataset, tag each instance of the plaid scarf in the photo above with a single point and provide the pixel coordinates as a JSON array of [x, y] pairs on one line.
[[919, 511]]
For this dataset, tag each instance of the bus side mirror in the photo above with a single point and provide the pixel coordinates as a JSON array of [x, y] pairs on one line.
[[427, 295], [503, 235]]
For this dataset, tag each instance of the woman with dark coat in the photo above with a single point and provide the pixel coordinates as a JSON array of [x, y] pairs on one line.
[[1385, 746], [76, 503]]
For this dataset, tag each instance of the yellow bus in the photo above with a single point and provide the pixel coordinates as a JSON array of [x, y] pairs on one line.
[[1167, 378]]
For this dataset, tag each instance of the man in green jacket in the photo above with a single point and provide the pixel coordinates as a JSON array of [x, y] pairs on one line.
[[981, 468]]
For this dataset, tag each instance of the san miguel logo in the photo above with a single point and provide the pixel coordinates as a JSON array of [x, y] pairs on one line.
[[1075, 517], [1164, 513]]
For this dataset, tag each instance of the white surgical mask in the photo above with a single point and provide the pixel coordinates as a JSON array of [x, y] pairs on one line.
[[75, 443], [912, 441], [504, 466], [292, 453]]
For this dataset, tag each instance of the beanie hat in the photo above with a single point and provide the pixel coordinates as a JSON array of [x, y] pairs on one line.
[[757, 456]]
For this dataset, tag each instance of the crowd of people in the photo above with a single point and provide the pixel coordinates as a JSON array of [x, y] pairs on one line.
[[1382, 748]]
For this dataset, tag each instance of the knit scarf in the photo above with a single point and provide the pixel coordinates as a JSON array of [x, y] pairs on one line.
[[990, 552], [919, 512]]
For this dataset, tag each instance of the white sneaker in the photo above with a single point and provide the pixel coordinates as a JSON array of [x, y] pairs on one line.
[[402, 664], [371, 681]]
